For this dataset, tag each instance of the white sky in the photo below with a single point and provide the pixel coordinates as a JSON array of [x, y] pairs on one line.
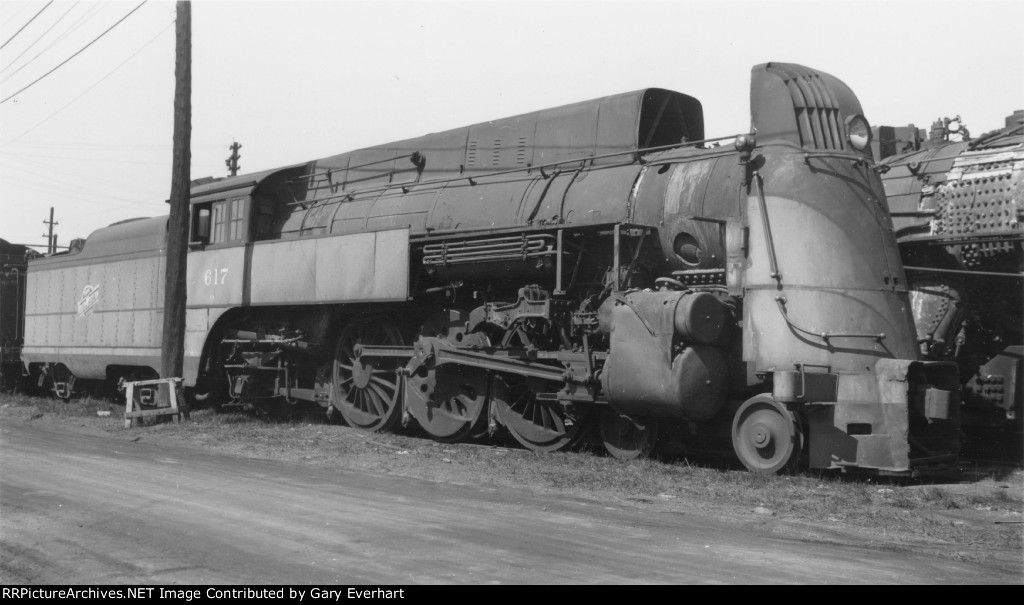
[[293, 81]]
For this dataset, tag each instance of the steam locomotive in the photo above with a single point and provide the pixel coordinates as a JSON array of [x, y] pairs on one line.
[[13, 263], [958, 208], [597, 265]]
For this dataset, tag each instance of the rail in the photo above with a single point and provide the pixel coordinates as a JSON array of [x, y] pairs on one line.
[[857, 159], [960, 239], [825, 336], [772, 260], [406, 187], [966, 272]]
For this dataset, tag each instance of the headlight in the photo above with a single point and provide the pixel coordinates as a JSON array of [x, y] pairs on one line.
[[745, 142], [858, 132]]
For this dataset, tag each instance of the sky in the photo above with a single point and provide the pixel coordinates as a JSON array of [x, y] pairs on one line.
[[298, 80]]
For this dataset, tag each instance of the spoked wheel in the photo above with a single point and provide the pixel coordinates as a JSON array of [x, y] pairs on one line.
[[448, 404], [540, 425], [766, 436], [366, 391], [627, 438]]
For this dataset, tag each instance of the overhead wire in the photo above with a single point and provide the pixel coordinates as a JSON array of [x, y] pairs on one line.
[[85, 199], [64, 175], [93, 158], [90, 13], [97, 83], [97, 146], [11, 63], [73, 191], [34, 82], [27, 24], [46, 182], [18, 11]]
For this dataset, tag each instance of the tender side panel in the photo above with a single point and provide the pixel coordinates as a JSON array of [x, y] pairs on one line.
[[90, 316]]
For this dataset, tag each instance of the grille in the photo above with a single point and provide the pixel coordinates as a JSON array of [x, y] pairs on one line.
[[521, 248], [521, 151], [817, 111], [496, 153]]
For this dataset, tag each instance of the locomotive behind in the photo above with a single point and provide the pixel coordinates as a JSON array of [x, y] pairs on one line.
[[958, 208], [601, 264], [13, 263]]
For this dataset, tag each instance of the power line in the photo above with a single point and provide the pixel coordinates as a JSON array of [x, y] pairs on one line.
[[37, 41], [54, 175], [17, 12], [98, 82], [76, 54], [26, 25], [78, 158], [76, 191], [90, 13]]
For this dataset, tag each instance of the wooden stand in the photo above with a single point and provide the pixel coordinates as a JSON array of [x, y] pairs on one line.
[[174, 410]]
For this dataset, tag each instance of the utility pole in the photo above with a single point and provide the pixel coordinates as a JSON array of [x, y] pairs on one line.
[[172, 353], [232, 161], [51, 242]]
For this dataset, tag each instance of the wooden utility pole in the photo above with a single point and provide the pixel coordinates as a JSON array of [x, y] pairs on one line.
[[177, 224], [232, 161], [51, 242]]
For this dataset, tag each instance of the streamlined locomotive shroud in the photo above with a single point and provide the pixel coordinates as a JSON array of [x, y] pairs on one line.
[[600, 264]]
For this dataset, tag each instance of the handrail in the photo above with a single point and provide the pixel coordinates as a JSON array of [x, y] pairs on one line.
[[959, 239], [825, 336], [772, 260], [527, 169], [966, 272]]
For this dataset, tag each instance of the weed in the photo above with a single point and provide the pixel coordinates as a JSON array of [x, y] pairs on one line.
[[900, 499], [1004, 496], [940, 497]]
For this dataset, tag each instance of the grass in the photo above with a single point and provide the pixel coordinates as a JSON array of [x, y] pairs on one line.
[[820, 505], [76, 408]]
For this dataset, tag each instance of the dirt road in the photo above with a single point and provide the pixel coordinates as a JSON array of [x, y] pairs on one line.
[[85, 509]]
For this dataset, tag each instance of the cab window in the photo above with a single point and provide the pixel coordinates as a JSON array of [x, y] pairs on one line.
[[228, 221], [220, 222], [236, 220]]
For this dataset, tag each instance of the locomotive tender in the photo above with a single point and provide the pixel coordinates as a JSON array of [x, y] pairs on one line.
[[599, 264]]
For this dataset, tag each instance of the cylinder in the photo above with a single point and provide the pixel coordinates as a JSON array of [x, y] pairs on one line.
[[692, 386], [644, 375], [699, 317]]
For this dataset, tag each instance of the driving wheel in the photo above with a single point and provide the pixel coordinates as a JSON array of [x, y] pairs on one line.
[[627, 437], [366, 390]]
